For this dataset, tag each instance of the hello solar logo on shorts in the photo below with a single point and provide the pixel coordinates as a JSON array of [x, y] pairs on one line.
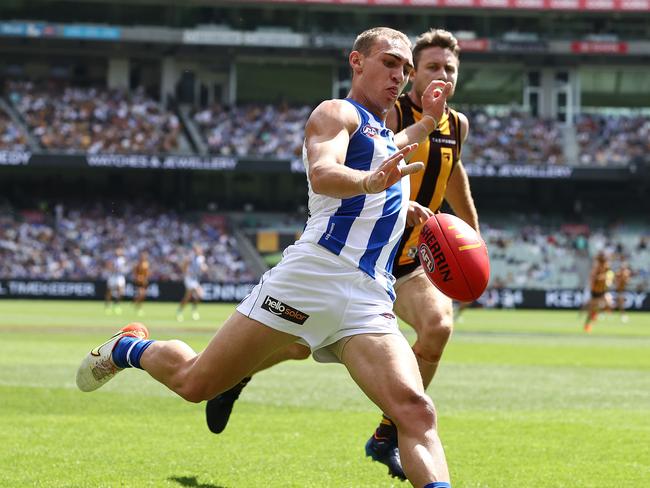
[[276, 307]]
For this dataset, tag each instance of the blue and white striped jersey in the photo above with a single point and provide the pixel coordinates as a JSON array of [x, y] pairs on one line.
[[363, 230], [118, 267], [195, 268]]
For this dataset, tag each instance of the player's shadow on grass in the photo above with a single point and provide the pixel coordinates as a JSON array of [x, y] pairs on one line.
[[192, 482]]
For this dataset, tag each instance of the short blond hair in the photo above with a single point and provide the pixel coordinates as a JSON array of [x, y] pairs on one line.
[[367, 39], [435, 38]]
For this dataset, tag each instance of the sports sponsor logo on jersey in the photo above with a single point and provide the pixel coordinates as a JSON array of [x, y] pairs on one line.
[[369, 130], [276, 307], [388, 315]]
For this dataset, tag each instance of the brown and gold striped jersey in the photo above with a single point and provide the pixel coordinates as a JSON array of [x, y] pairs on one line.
[[440, 153], [141, 272], [599, 278], [622, 278]]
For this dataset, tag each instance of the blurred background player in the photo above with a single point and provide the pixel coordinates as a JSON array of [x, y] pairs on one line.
[[418, 302], [598, 280], [116, 282], [621, 279], [193, 270], [141, 281]]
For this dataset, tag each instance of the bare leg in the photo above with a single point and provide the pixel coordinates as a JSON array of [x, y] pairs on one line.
[[185, 299], [196, 298], [140, 295], [292, 351], [219, 409], [385, 368], [237, 348], [431, 314], [592, 313], [118, 296]]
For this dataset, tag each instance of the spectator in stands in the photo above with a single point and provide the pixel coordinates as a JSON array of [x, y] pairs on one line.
[[253, 130], [613, 140], [514, 138], [78, 243], [95, 120], [12, 137]]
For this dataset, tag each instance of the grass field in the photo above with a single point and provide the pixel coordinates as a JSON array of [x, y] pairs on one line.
[[525, 400]]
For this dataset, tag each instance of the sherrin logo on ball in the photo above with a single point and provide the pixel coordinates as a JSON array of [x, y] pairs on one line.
[[454, 257]]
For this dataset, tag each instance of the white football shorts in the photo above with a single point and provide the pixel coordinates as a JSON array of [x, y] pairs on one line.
[[191, 283], [116, 282], [312, 294]]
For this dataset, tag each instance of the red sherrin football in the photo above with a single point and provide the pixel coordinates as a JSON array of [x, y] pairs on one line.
[[454, 257]]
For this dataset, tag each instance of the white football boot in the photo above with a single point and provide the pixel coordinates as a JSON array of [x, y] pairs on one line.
[[98, 366]]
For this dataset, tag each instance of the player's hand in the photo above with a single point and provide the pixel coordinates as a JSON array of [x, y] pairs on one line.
[[434, 99], [390, 172], [417, 214]]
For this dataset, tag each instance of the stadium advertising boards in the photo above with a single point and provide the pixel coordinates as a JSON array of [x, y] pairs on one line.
[[64, 31], [142, 161], [235, 292], [95, 290], [571, 299], [227, 163]]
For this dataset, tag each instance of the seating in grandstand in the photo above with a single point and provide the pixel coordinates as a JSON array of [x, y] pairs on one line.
[[75, 243], [93, 120]]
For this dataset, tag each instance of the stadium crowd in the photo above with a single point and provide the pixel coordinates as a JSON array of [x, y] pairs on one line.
[[12, 137], [513, 138], [94, 120], [607, 140], [76, 243], [277, 132], [97, 120], [258, 130], [524, 255]]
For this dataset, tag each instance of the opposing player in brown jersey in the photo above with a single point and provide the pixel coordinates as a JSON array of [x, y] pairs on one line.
[[418, 302], [141, 281], [598, 282]]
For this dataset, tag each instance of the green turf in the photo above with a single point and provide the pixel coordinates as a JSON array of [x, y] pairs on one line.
[[525, 400]]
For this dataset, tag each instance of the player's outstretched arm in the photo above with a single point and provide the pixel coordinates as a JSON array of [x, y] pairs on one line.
[[458, 193], [459, 196], [434, 99], [434, 103], [327, 135]]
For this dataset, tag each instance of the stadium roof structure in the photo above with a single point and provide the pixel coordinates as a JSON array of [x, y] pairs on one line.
[[563, 5], [514, 5]]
